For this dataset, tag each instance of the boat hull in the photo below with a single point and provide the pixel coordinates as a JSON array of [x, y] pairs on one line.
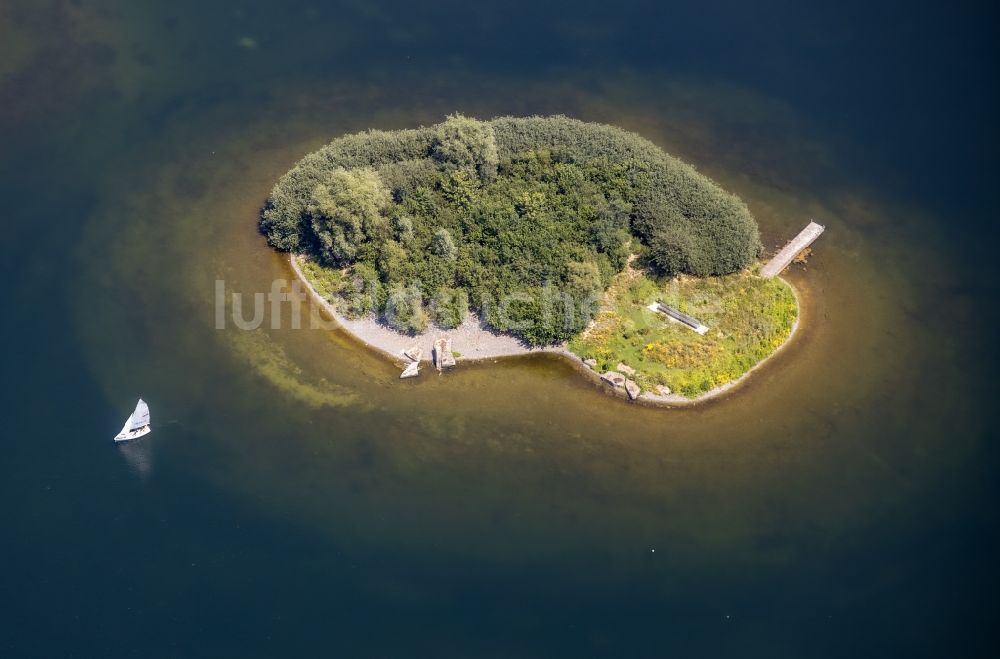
[[125, 436]]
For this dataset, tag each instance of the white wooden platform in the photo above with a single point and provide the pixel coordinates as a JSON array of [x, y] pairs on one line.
[[781, 260]]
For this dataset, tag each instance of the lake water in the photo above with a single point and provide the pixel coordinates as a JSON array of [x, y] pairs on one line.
[[296, 499]]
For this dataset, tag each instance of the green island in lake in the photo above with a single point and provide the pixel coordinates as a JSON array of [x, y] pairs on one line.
[[490, 238]]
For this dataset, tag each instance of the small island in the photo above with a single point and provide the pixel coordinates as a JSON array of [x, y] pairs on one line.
[[537, 233]]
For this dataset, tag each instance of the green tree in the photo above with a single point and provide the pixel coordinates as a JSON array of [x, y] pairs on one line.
[[362, 291], [449, 306], [394, 262], [347, 212], [443, 244], [460, 188], [676, 251], [467, 142], [583, 278], [402, 226], [404, 309]]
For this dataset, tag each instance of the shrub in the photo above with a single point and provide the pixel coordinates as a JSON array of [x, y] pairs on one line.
[[449, 307], [347, 212], [361, 291], [443, 245], [404, 177], [404, 309], [675, 251], [402, 226], [466, 142]]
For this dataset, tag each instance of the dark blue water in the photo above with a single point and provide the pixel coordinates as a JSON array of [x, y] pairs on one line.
[[843, 506]]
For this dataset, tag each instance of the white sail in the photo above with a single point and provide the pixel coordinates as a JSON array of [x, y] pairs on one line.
[[140, 417], [125, 428]]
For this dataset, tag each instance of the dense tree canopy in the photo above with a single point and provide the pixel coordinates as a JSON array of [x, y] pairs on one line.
[[524, 219]]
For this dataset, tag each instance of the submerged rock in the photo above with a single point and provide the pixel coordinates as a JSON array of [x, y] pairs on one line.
[[614, 379]]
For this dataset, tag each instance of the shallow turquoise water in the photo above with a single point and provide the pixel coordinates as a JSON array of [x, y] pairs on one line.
[[296, 499]]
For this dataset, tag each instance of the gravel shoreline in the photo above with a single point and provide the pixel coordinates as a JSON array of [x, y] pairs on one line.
[[474, 341]]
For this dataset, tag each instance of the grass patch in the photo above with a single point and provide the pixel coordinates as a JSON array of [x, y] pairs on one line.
[[748, 317], [325, 281]]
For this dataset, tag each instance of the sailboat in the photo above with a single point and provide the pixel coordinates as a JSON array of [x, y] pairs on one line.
[[137, 423]]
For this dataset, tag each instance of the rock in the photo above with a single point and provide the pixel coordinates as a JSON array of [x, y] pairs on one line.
[[414, 353], [614, 379], [627, 370], [663, 389], [590, 363], [412, 370], [632, 389]]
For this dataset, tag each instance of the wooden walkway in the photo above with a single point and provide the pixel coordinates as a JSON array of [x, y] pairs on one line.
[[781, 260]]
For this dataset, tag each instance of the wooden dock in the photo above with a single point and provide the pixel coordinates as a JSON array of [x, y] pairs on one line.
[[781, 260], [443, 355]]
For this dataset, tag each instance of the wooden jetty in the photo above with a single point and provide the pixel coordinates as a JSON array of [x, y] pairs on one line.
[[679, 316], [781, 260], [443, 356]]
